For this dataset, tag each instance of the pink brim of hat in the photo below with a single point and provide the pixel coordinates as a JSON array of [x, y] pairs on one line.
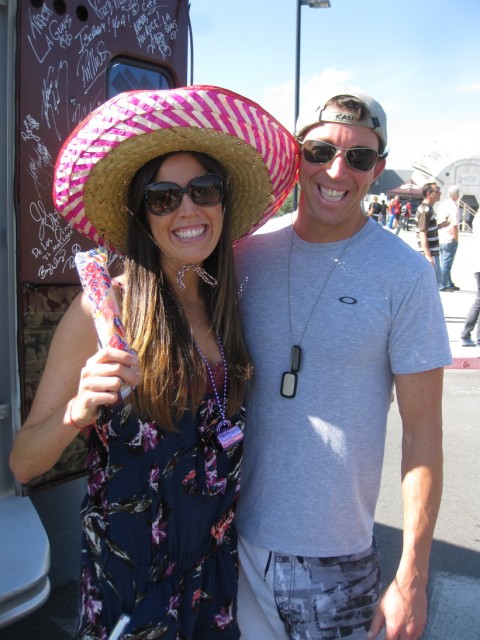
[[99, 159]]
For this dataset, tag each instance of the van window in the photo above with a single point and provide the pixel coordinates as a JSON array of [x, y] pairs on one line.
[[126, 74]]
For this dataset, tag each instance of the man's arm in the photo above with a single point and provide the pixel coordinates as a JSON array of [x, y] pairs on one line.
[[422, 235], [454, 230], [403, 607], [423, 221]]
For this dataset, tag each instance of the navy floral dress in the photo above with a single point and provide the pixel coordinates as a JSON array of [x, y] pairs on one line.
[[158, 542]]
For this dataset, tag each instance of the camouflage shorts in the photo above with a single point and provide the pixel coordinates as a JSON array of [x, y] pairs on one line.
[[327, 598]]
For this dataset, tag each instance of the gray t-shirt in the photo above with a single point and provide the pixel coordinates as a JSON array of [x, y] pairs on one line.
[[312, 463]]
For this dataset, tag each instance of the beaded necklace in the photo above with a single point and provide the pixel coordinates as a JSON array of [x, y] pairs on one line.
[[226, 434]]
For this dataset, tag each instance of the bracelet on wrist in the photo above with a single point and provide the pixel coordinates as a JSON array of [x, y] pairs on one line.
[[72, 421]]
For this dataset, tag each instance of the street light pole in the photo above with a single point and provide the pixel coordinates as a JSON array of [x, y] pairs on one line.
[[314, 4], [297, 63]]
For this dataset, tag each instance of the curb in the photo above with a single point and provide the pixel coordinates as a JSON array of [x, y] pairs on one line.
[[465, 363]]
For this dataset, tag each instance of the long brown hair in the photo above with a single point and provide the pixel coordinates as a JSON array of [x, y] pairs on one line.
[[172, 372]]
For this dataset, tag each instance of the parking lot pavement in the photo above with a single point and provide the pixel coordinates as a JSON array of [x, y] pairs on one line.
[[55, 620], [454, 586]]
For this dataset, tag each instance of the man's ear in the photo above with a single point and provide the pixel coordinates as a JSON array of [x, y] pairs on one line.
[[379, 167]]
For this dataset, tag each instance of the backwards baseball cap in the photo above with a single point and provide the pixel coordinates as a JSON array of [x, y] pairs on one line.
[[374, 117]]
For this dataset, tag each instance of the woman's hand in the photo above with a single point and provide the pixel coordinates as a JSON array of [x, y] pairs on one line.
[[101, 380]]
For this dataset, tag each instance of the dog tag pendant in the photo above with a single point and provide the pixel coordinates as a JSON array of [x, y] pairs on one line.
[[288, 388], [295, 358]]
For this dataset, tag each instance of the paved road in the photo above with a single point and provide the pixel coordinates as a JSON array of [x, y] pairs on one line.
[[455, 561], [455, 564]]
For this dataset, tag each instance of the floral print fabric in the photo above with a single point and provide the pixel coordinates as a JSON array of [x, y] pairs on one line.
[[158, 544]]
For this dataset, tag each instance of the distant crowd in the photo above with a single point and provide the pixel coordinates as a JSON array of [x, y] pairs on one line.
[[397, 213], [394, 213]]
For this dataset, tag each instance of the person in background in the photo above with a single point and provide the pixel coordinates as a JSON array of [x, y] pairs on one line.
[[395, 212], [448, 217], [383, 213], [474, 312], [141, 176], [318, 406], [406, 215], [374, 210], [427, 228]]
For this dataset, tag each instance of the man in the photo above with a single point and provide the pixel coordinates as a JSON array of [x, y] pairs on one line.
[[383, 212], [427, 228], [329, 331], [406, 214], [395, 212], [449, 223]]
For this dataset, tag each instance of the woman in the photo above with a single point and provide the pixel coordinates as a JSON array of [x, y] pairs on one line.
[[142, 177], [375, 209]]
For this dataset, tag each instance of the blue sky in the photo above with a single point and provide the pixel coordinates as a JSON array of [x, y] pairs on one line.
[[419, 58]]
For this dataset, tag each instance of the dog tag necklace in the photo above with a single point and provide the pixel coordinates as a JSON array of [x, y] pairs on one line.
[[288, 386]]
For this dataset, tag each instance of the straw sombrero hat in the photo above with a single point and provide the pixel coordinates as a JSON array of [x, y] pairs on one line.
[[99, 159]]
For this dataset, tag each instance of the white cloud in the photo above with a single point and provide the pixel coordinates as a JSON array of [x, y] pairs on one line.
[[468, 88], [280, 99], [409, 140]]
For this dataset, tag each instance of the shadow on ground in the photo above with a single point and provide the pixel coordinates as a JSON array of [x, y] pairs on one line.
[[445, 557], [55, 620]]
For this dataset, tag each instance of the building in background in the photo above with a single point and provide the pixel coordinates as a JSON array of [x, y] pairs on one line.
[[435, 167]]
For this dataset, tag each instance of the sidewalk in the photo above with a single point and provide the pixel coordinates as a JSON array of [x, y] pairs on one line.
[[456, 304]]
